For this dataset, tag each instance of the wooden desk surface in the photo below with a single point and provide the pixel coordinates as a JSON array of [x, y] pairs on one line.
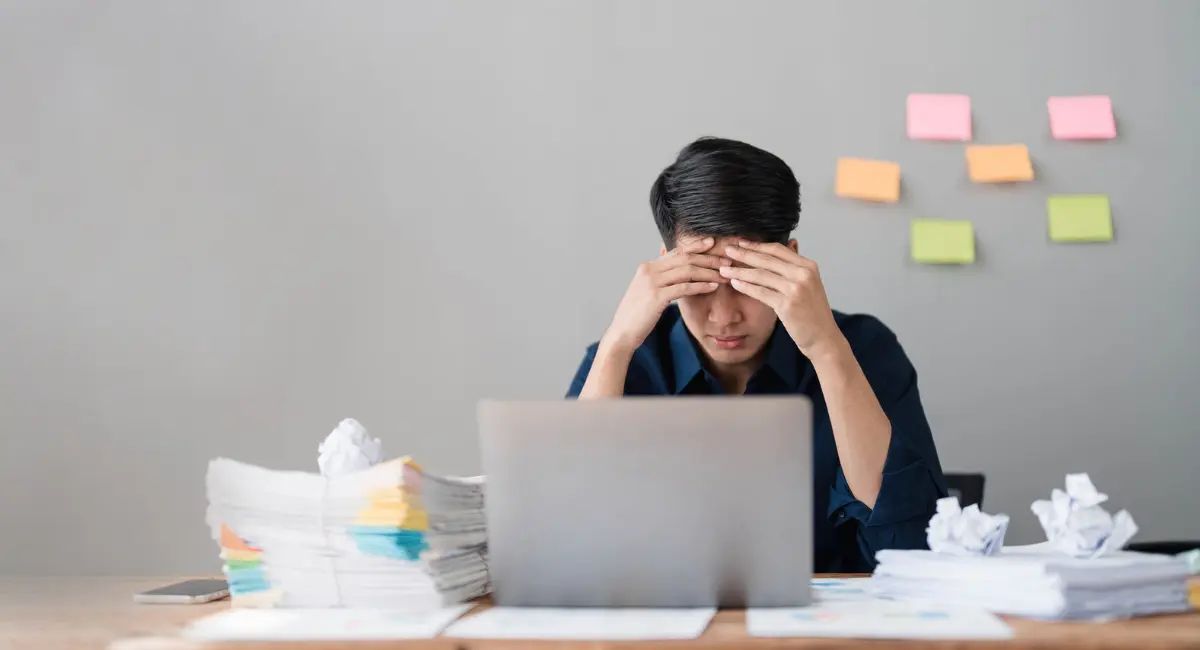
[[98, 613]]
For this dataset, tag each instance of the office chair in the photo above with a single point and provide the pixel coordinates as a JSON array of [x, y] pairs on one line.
[[967, 487], [1173, 547]]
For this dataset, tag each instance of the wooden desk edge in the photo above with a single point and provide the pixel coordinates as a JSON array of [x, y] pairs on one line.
[[728, 630]]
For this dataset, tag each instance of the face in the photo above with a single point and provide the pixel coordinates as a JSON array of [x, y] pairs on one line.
[[732, 328]]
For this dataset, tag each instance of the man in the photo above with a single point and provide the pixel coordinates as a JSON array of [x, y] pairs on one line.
[[750, 316]]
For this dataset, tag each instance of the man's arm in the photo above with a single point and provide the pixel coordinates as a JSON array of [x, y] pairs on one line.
[[789, 283], [606, 377], [687, 270], [861, 429], [890, 478], [912, 480]]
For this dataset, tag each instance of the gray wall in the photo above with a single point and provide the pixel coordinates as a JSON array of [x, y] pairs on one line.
[[228, 224]]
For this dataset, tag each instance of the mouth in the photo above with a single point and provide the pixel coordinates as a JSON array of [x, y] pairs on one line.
[[728, 342]]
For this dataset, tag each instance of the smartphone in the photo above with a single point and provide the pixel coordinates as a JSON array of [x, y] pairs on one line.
[[188, 592]]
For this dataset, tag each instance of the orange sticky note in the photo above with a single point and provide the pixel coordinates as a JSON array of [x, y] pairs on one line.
[[870, 180], [999, 163]]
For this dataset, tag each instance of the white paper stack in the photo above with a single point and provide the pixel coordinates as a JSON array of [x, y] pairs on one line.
[[388, 537], [1036, 582]]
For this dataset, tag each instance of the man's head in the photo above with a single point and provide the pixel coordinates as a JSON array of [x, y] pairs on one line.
[[727, 190]]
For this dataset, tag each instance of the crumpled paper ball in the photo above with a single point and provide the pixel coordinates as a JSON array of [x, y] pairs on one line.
[[348, 449], [1077, 526], [965, 531]]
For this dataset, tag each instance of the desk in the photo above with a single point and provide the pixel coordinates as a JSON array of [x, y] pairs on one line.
[[92, 613]]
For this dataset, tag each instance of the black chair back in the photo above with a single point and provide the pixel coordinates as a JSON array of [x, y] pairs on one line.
[[1174, 547], [967, 487]]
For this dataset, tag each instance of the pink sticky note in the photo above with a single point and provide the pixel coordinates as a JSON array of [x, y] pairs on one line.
[[939, 117], [1088, 117]]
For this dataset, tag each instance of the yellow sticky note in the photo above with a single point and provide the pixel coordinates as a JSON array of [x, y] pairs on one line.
[[999, 163], [1079, 217], [870, 180], [942, 241]]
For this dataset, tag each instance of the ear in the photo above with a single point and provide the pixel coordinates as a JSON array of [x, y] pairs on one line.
[[794, 245], [662, 250]]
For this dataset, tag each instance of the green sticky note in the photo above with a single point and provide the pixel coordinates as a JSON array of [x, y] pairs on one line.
[[1079, 217], [942, 241]]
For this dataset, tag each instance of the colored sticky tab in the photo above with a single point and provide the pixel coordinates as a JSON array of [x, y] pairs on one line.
[[1079, 218], [241, 556], [942, 241], [870, 180], [1088, 117], [999, 163], [230, 540], [939, 117]]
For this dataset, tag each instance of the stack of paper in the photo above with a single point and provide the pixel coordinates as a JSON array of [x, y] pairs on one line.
[[389, 537], [1033, 581]]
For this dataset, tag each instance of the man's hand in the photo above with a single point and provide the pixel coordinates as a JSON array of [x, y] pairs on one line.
[[685, 271], [791, 285]]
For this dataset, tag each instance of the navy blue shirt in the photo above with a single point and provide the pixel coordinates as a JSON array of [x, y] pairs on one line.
[[846, 532]]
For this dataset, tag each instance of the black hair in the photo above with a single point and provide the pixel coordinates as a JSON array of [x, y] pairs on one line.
[[725, 188]]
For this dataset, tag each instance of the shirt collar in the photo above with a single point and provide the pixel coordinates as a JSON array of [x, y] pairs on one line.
[[782, 357]]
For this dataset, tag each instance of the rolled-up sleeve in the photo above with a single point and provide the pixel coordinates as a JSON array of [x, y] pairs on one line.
[[581, 374], [912, 475]]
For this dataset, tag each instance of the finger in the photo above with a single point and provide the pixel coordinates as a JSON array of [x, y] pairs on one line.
[[689, 274], [777, 250], [677, 291], [764, 295], [761, 277], [707, 260], [758, 260], [703, 260]]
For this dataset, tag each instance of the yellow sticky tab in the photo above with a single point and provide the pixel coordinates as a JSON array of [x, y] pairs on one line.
[[409, 462], [870, 180], [999, 163], [393, 508], [942, 241], [1079, 218]]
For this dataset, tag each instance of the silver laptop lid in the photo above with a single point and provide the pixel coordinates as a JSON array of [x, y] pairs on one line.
[[649, 502]]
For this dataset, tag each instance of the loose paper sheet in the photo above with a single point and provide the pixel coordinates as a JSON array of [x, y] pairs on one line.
[[1079, 218], [827, 589], [1088, 117], [583, 624], [876, 619], [942, 241], [870, 180], [321, 624], [999, 163], [939, 117]]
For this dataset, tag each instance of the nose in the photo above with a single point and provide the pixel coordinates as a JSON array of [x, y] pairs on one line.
[[723, 307]]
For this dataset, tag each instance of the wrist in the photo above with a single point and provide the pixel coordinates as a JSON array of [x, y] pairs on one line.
[[615, 347], [829, 351]]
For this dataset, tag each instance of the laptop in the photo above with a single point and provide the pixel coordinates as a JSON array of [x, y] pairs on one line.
[[649, 501]]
